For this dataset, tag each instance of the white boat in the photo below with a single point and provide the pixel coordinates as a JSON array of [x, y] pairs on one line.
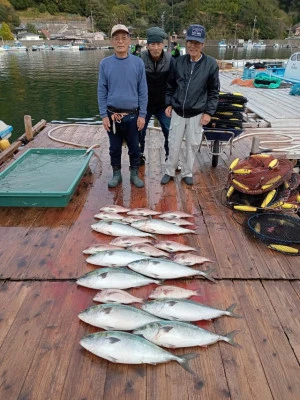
[[67, 46], [291, 73], [17, 46], [42, 46], [260, 44], [222, 43]]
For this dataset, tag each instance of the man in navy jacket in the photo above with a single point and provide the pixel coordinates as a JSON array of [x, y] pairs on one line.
[[191, 98]]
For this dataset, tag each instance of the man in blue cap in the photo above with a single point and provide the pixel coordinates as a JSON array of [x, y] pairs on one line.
[[157, 65], [192, 98]]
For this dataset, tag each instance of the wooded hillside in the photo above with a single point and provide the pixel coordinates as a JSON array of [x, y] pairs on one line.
[[222, 18]]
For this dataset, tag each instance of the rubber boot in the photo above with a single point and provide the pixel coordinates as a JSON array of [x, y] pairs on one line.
[[116, 179], [134, 178]]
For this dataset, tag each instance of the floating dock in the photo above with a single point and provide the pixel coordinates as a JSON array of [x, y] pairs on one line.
[[41, 258]]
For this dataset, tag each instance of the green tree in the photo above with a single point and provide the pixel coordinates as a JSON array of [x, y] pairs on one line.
[[5, 32]]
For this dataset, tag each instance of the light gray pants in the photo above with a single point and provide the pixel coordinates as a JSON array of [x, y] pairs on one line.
[[184, 139]]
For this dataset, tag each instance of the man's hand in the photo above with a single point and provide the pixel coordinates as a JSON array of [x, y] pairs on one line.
[[106, 123], [205, 119], [168, 111], [140, 123]]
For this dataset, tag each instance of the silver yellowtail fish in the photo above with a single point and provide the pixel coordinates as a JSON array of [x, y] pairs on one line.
[[127, 348], [117, 317], [108, 216], [190, 259], [115, 208], [95, 248], [175, 334], [126, 241], [186, 310], [175, 214], [143, 212], [131, 218], [114, 278], [160, 227], [178, 221], [116, 296], [173, 292], [173, 247], [114, 258], [148, 250], [117, 229], [165, 269]]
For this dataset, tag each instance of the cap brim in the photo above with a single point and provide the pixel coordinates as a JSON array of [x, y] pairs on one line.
[[193, 38], [120, 30]]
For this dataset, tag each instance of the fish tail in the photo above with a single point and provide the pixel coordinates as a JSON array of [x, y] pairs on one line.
[[230, 337], [231, 313], [207, 273], [184, 361]]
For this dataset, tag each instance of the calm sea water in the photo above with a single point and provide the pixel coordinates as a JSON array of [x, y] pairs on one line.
[[57, 85]]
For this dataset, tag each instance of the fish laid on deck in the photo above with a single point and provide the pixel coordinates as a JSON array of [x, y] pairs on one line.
[[127, 241], [186, 310], [148, 250], [117, 229], [144, 212], [190, 259], [95, 248], [117, 317], [160, 227], [172, 246], [114, 258], [175, 214], [127, 348], [116, 296], [178, 221], [173, 292], [115, 208], [160, 268], [114, 278], [111, 216], [176, 334]]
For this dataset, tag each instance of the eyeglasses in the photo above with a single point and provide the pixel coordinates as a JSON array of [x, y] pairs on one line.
[[119, 38]]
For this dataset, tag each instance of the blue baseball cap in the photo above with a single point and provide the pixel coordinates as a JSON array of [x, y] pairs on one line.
[[196, 32]]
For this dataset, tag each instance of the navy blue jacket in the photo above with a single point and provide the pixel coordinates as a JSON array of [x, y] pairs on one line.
[[194, 92]]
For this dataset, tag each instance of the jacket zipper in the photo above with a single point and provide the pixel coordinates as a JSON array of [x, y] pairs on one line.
[[187, 91]]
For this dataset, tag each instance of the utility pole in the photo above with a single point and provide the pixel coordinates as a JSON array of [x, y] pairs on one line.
[[254, 22], [172, 17]]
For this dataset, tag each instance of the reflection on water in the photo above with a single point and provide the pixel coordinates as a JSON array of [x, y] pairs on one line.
[[59, 85]]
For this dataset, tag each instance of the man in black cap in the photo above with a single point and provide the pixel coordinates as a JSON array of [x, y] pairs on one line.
[[191, 98], [157, 65]]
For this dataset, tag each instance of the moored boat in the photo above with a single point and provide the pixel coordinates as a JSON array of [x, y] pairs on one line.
[[291, 72]]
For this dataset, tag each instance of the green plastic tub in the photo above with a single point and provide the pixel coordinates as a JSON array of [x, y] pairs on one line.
[[43, 178]]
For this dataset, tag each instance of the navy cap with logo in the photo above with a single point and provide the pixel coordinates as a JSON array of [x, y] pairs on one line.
[[197, 33]]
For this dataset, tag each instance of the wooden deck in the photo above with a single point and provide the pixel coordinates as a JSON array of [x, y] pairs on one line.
[[41, 257], [276, 106]]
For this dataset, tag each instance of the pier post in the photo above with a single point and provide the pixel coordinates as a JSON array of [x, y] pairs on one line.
[[28, 127], [255, 145]]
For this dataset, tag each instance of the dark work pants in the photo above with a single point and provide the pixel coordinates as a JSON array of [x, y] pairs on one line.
[[165, 126], [125, 130]]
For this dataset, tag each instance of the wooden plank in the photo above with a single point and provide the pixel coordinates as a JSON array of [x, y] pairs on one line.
[[276, 355], [22, 341], [14, 295], [243, 367], [286, 303]]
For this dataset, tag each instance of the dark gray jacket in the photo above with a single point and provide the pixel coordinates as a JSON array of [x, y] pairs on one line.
[[193, 92], [157, 73]]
